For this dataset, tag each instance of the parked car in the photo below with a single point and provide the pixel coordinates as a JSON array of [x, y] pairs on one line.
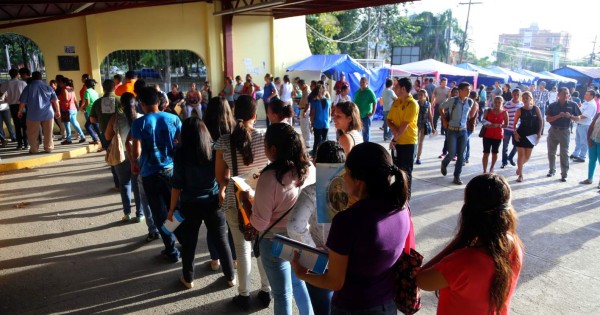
[[148, 73]]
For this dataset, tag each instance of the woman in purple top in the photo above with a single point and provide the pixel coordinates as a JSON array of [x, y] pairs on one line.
[[367, 239]]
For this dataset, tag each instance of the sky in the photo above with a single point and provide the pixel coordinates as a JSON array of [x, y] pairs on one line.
[[492, 17]]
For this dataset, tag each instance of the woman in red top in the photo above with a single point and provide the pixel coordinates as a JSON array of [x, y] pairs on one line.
[[477, 272], [68, 108], [494, 120]]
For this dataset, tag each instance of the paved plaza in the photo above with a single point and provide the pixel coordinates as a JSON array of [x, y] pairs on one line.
[[63, 248]]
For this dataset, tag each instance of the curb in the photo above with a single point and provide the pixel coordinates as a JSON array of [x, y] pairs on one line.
[[47, 158]]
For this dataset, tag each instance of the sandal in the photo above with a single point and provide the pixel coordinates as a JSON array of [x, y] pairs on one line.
[[520, 178]]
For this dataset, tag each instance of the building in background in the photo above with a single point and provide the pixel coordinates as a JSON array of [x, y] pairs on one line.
[[533, 45]]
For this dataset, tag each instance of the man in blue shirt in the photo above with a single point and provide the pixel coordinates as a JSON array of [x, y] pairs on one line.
[[42, 107], [154, 137], [460, 108]]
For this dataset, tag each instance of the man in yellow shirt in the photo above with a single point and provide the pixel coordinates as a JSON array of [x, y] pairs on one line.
[[402, 119], [130, 79]]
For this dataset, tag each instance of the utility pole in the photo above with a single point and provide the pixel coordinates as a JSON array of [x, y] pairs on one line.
[[464, 42], [368, 27], [593, 54]]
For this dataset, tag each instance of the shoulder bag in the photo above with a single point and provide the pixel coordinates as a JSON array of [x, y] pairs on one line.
[[483, 128], [115, 153], [256, 247], [408, 295], [242, 202]]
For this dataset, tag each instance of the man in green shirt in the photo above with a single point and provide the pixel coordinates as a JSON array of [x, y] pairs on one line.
[[89, 97], [366, 101]]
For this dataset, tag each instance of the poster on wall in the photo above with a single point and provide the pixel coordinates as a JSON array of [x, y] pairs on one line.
[[69, 49]]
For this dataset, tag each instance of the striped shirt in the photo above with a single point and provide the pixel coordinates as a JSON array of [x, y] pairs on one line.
[[541, 98], [511, 108], [260, 161]]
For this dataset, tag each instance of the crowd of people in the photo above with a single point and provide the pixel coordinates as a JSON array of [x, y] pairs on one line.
[[181, 152]]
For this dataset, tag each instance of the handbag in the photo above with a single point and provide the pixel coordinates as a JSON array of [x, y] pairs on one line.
[[65, 116], [482, 131], [242, 203], [408, 295], [115, 153]]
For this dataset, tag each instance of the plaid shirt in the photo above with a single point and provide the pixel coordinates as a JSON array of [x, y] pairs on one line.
[[541, 97]]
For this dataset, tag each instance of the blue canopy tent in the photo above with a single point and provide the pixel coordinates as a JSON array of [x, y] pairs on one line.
[[513, 77], [485, 77], [584, 75], [562, 81], [538, 76], [333, 65]]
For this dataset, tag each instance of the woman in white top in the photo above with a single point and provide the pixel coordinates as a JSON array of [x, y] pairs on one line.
[[343, 96], [249, 155], [285, 91], [346, 118]]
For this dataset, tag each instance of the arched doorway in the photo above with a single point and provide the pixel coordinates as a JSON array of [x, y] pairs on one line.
[[163, 67], [20, 52]]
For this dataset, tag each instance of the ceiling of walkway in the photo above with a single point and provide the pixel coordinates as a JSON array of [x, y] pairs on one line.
[[31, 11]]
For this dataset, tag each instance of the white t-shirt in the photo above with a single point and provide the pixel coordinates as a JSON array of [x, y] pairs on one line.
[[588, 109], [341, 98], [286, 92]]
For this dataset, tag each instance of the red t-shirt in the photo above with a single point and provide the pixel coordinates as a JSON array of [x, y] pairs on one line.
[[495, 133], [469, 273]]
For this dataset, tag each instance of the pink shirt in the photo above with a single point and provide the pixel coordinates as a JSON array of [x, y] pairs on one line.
[[597, 105], [272, 199]]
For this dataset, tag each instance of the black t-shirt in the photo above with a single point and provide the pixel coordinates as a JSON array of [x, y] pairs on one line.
[[555, 109]]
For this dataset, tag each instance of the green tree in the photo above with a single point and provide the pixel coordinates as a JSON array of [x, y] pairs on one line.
[[321, 28], [436, 34]]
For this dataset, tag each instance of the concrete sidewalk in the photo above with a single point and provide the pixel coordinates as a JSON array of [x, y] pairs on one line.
[[64, 250]]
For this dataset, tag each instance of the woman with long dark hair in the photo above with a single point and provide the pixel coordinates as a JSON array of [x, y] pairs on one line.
[[530, 122], [346, 119], [277, 190], [320, 112], [121, 124], [249, 155], [219, 121], [366, 240], [195, 184], [280, 111], [477, 272]]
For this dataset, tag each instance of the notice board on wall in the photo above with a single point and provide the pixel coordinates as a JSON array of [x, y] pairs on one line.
[[68, 63]]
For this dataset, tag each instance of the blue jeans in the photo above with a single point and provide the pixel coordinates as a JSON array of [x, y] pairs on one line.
[[457, 143], [73, 121], [581, 144], [385, 309], [507, 139], [468, 150], [366, 131], [320, 299], [387, 132], [123, 171], [284, 283], [141, 202], [92, 129], [158, 191]]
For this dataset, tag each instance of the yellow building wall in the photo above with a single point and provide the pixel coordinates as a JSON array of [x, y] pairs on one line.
[[290, 42], [260, 44]]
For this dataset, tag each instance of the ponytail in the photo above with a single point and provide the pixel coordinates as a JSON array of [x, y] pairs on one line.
[[241, 137], [281, 109], [372, 164]]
